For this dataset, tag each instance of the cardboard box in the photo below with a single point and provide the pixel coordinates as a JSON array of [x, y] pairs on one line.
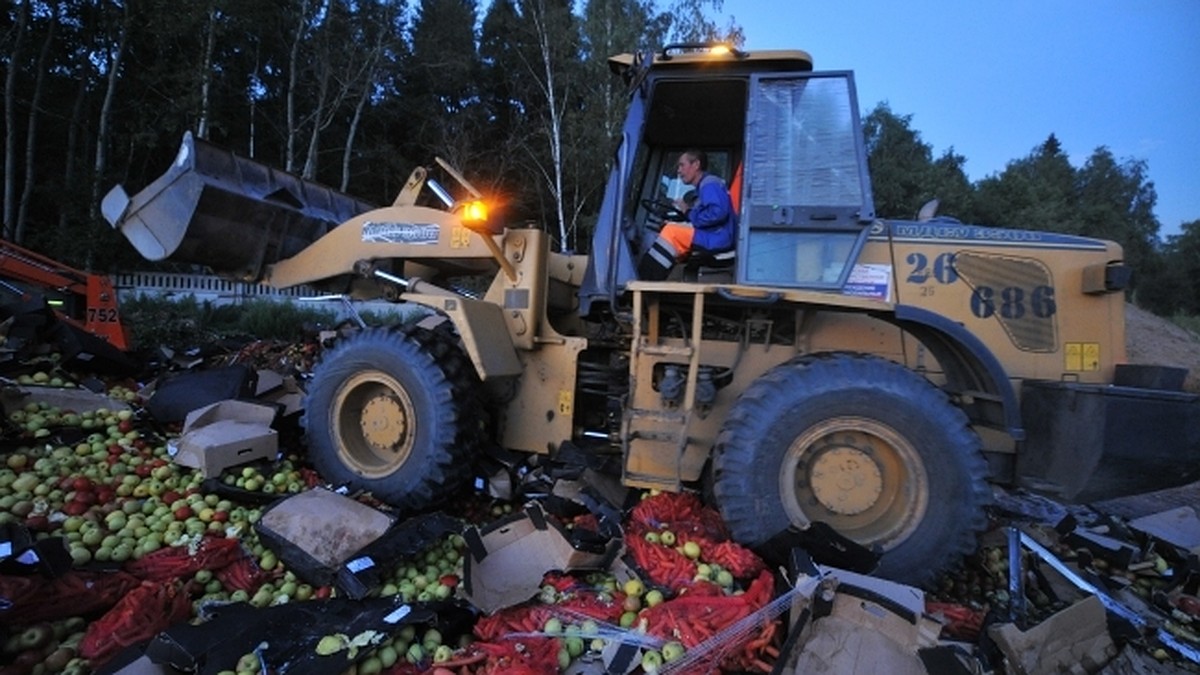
[[869, 626], [280, 391], [507, 560], [1076, 637], [317, 532], [223, 434], [1178, 527]]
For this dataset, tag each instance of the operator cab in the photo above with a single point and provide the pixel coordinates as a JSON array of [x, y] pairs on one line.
[[786, 141], [666, 191]]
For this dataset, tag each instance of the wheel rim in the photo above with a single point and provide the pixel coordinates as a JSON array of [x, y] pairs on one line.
[[859, 476], [374, 423]]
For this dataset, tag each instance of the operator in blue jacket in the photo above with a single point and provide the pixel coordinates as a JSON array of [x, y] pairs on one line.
[[712, 222]]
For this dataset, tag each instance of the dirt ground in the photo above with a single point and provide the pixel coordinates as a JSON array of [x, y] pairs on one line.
[[1152, 340]]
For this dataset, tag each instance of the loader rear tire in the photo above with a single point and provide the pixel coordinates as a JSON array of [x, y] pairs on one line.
[[862, 444], [386, 413]]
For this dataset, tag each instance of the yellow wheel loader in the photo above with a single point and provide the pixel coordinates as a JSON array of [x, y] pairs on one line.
[[834, 367]]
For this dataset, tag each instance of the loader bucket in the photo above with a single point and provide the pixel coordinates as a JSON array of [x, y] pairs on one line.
[[232, 214], [1091, 442]]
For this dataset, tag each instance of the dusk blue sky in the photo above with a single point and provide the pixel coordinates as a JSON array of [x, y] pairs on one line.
[[993, 78]]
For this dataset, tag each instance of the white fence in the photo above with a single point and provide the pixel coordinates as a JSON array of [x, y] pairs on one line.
[[218, 291]]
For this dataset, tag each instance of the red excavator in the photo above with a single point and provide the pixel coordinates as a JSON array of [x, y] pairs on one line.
[[88, 301]]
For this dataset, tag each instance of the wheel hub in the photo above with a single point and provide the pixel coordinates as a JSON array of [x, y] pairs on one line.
[[859, 476], [383, 422], [374, 424], [846, 481]]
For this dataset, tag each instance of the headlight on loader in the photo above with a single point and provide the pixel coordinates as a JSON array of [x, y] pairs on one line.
[[474, 213]]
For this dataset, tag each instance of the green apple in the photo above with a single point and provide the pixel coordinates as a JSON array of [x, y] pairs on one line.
[[651, 661]]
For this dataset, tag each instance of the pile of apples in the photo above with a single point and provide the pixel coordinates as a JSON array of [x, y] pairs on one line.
[[284, 480], [115, 496], [52, 646], [417, 646], [433, 575]]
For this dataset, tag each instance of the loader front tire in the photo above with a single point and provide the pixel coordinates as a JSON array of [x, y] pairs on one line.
[[384, 414], [862, 444]]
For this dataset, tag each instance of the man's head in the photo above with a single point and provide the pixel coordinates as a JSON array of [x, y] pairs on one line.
[[692, 165]]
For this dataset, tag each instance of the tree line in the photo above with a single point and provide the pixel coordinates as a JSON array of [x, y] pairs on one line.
[[1104, 197], [516, 93]]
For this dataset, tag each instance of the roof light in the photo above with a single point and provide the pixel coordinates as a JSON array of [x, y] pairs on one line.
[[702, 49]]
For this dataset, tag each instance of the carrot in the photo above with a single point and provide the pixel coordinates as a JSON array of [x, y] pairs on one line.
[[464, 661]]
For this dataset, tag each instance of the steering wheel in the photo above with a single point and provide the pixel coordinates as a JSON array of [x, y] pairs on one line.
[[662, 210]]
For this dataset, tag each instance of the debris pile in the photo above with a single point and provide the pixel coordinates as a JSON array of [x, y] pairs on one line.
[[176, 527]]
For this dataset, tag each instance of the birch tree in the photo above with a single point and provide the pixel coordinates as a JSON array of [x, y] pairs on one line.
[[613, 27], [442, 75], [379, 28], [35, 104], [10, 116], [206, 70], [535, 45], [112, 64], [549, 70], [691, 23]]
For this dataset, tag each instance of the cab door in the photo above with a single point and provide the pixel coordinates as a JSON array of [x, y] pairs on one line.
[[806, 200]]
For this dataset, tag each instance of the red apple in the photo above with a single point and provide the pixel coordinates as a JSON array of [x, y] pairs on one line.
[[37, 523]]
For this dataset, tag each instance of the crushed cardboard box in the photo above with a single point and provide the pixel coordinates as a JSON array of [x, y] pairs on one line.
[[507, 560], [224, 434], [1076, 637], [1178, 527], [1132, 661], [282, 392], [852, 623], [318, 532], [593, 488]]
